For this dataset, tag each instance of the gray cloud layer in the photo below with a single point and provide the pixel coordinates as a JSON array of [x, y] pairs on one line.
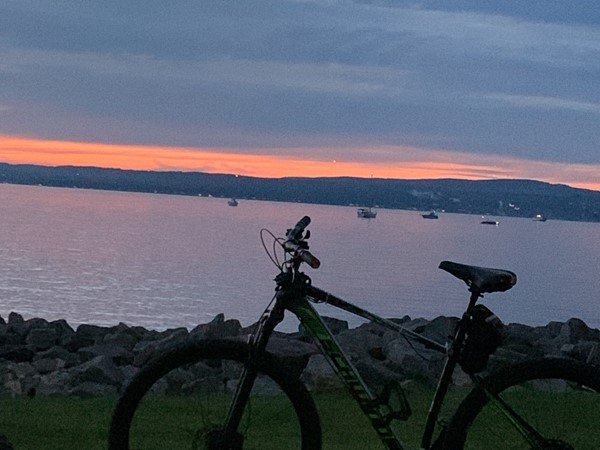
[[518, 79]]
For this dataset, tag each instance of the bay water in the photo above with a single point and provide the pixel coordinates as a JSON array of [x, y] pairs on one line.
[[166, 261]]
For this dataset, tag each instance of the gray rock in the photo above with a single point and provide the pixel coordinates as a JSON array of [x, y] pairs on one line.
[[319, 375], [54, 383], [413, 360], [119, 355], [47, 358], [85, 336], [123, 340], [14, 317], [57, 352], [42, 338], [145, 350], [218, 328], [336, 326], [575, 330], [586, 351], [293, 353], [44, 366], [100, 370], [16, 353]]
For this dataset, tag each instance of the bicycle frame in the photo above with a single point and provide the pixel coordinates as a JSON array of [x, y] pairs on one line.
[[297, 297], [369, 403], [295, 293]]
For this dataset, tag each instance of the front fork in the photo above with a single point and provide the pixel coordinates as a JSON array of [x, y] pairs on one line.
[[257, 343]]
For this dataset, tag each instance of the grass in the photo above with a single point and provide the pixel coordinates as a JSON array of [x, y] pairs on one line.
[[56, 423], [64, 423]]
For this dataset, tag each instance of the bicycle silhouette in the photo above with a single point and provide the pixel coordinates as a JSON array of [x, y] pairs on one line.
[[238, 386]]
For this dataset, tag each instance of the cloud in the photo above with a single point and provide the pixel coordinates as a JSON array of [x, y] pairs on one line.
[[550, 103], [306, 75]]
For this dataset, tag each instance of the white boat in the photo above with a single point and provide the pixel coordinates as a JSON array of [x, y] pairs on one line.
[[366, 213], [232, 202], [539, 218]]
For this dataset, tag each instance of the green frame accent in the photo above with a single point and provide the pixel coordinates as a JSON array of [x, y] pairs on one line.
[[368, 402]]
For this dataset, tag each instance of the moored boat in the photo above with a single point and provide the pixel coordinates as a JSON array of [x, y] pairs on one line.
[[489, 222], [539, 218], [431, 215], [366, 213], [232, 202]]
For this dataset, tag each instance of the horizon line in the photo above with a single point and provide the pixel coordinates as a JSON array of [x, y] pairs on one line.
[[411, 164]]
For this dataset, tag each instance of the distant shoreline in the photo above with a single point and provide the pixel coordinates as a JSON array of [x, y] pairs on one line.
[[497, 198]]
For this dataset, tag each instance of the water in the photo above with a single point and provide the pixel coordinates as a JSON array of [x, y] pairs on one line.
[[168, 261]]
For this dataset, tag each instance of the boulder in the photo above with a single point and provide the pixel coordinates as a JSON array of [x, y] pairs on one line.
[[336, 326], [218, 328], [14, 317], [70, 359], [319, 376], [16, 353], [576, 330], [100, 370], [293, 353], [119, 355], [145, 350], [85, 336], [47, 365], [42, 338]]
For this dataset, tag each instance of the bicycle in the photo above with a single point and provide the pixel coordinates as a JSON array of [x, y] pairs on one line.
[[230, 370]]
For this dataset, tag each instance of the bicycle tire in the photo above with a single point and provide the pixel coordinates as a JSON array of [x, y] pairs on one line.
[[211, 356], [565, 392]]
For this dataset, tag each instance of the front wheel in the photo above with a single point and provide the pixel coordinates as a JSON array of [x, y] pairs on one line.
[[555, 405], [180, 401]]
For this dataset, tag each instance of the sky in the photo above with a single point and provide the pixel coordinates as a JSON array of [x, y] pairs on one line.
[[393, 89]]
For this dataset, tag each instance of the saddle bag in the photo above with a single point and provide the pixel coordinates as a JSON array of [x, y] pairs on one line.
[[484, 333]]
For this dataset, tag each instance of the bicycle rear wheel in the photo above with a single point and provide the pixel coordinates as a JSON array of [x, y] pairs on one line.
[[559, 398], [180, 400]]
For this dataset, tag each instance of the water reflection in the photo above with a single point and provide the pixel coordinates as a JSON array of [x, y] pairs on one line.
[[167, 261]]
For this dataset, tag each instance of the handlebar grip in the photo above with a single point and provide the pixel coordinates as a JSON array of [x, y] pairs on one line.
[[295, 232], [310, 259]]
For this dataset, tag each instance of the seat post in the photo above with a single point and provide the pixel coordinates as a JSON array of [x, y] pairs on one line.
[[475, 295]]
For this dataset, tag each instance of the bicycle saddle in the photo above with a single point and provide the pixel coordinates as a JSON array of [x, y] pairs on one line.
[[481, 279]]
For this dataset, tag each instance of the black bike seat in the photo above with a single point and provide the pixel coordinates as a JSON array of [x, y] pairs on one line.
[[481, 279]]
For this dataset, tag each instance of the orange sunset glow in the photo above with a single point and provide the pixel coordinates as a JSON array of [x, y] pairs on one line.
[[408, 163]]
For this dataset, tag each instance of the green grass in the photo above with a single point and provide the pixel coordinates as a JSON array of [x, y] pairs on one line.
[[56, 423], [63, 423]]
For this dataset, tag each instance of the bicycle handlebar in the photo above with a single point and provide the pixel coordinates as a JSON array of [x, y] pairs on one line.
[[294, 243], [310, 259], [296, 233]]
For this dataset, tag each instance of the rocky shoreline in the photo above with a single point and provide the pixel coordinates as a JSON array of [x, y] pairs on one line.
[[40, 357]]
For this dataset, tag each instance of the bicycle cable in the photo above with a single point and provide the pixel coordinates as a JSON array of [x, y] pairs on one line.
[[411, 345], [272, 256]]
